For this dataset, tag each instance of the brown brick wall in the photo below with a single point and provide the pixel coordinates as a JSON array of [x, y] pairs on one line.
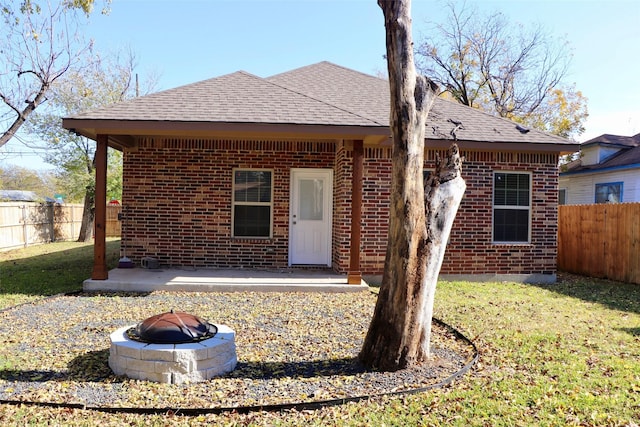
[[470, 249], [342, 209], [179, 192]]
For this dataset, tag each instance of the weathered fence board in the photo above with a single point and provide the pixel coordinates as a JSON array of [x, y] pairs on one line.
[[25, 224], [114, 225], [29, 223], [601, 240]]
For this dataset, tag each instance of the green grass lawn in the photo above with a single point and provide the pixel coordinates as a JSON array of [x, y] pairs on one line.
[[42, 270], [550, 355]]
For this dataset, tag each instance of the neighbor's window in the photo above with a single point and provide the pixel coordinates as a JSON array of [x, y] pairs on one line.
[[562, 196], [252, 202], [610, 192], [511, 207]]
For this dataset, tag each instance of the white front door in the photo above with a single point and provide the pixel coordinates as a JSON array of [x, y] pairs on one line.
[[310, 216]]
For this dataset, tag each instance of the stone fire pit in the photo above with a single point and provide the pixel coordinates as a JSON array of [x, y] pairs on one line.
[[194, 357]]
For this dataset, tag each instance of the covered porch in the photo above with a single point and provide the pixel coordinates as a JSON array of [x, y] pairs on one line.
[[236, 126], [353, 276]]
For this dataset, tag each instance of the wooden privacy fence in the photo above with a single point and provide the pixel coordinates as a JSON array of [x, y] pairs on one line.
[[601, 240], [30, 223], [114, 225]]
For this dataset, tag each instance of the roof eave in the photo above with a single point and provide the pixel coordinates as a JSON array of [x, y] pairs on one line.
[[529, 147], [120, 130], [601, 170], [122, 133]]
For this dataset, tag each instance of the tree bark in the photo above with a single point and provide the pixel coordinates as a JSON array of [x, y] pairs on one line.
[[88, 217], [420, 217], [22, 116], [91, 192]]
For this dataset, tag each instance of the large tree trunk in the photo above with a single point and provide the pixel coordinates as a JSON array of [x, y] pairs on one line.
[[88, 217], [420, 216], [89, 210]]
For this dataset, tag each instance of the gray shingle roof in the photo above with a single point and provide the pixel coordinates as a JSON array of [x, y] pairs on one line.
[[628, 156], [318, 94], [239, 97], [614, 140], [369, 96]]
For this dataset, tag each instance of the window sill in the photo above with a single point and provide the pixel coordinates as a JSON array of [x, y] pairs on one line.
[[250, 239], [511, 243]]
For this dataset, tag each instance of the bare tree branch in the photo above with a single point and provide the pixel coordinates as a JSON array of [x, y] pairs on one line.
[[490, 63], [38, 43]]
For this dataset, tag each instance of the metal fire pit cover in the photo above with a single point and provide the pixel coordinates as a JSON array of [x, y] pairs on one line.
[[174, 328]]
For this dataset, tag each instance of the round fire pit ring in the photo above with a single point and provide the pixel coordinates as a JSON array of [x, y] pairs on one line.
[[172, 328], [173, 347]]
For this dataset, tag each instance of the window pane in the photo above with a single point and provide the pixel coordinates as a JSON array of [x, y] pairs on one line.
[[511, 225], [511, 189], [311, 201], [251, 221], [562, 196], [252, 186], [523, 197], [608, 193]]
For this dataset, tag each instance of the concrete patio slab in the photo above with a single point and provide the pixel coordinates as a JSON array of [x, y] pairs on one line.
[[223, 280]]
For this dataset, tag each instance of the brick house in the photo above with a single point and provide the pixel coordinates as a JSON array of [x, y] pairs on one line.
[[294, 170]]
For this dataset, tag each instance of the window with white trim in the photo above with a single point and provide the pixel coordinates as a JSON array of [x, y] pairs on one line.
[[252, 203], [511, 207], [609, 192]]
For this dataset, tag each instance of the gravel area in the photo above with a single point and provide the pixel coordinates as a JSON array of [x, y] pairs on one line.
[[291, 347]]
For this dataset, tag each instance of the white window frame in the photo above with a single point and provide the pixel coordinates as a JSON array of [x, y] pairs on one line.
[[511, 207], [235, 203]]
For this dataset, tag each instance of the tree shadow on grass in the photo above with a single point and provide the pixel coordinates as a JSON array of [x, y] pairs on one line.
[[614, 295], [633, 331], [58, 271], [297, 369], [93, 366]]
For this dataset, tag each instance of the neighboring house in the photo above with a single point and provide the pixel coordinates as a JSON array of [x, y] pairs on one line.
[[18, 196], [294, 170], [24, 196], [607, 171]]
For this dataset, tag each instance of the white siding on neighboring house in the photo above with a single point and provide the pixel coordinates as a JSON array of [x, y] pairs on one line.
[[580, 188]]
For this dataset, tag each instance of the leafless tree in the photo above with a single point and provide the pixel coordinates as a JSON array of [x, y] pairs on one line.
[[39, 42], [491, 63], [105, 80]]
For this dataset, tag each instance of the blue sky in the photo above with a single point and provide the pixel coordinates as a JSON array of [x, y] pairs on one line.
[[190, 40]]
